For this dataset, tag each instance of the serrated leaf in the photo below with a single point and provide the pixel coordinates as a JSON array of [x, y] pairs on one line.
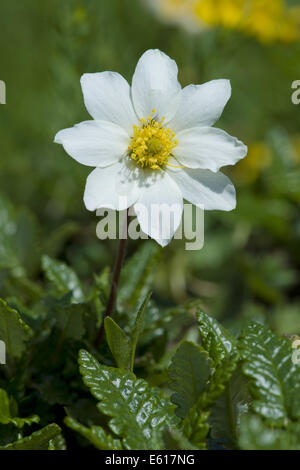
[[63, 278], [57, 443], [256, 435], [138, 413], [118, 343], [215, 339], [188, 372], [13, 330], [7, 416], [95, 434], [38, 440], [275, 380], [223, 353]]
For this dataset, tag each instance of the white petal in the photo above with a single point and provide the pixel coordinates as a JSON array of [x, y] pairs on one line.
[[208, 148], [214, 191], [111, 188], [94, 143], [107, 97], [155, 85], [201, 105], [159, 207]]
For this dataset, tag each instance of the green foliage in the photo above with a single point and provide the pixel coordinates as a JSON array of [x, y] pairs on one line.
[[137, 275], [229, 407], [39, 440], [255, 435], [63, 278], [8, 411], [138, 413], [236, 386], [215, 339], [96, 435], [70, 320], [213, 383], [188, 372], [13, 330], [223, 354], [57, 443], [275, 381], [118, 343], [137, 328], [18, 238]]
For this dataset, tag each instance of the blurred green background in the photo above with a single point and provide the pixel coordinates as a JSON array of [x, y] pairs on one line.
[[249, 266]]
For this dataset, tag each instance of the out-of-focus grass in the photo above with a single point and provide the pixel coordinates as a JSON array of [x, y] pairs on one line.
[[250, 262]]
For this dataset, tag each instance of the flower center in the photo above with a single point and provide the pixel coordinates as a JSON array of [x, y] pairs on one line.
[[152, 144]]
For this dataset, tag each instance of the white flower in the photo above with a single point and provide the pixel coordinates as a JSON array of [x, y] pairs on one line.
[[153, 142]]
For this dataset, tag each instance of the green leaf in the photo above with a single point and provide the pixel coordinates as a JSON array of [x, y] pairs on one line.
[[13, 331], [215, 339], [275, 380], [256, 435], [222, 351], [228, 409], [95, 434], [63, 278], [137, 328], [138, 413], [5, 415], [57, 443], [188, 372], [118, 343], [38, 440], [8, 416]]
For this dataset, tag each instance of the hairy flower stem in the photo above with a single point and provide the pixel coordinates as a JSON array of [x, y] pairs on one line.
[[115, 279]]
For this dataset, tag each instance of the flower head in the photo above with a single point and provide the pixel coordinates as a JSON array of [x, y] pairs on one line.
[[153, 142]]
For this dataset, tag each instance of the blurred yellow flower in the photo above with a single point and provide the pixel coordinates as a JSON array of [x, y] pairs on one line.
[[296, 146], [228, 13], [267, 20], [270, 20], [259, 157]]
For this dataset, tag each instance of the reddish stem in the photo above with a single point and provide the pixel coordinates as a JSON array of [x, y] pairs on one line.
[[115, 280]]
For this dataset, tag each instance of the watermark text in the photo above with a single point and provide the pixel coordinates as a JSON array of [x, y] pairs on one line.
[[296, 94], [2, 352], [161, 221], [2, 92]]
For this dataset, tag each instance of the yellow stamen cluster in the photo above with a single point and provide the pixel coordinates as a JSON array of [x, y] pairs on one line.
[[151, 144]]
